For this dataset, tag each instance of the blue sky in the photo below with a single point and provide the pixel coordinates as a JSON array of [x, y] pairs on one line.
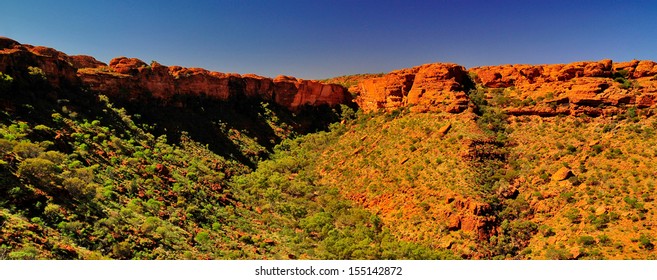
[[318, 39]]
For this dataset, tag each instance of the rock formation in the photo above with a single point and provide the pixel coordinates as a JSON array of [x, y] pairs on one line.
[[133, 79], [430, 87], [19, 61], [593, 88]]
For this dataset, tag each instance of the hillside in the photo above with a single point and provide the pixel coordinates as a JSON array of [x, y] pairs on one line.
[[129, 160]]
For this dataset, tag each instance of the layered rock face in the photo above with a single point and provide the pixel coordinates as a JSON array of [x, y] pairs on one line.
[[430, 87], [592, 88], [132, 75], [29, 64], [132, 79]]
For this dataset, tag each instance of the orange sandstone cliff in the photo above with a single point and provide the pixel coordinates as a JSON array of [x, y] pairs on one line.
[[593, 88], [132, 79], [436, 87]]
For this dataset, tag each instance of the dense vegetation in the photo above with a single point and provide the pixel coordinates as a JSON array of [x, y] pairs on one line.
[[83, 179]]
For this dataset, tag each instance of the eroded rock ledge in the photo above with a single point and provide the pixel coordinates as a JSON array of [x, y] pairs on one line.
[[429, 87], [132, 79], [593, 88]]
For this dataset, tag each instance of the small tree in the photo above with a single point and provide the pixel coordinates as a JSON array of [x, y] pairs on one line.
[[28, 149], [5, 82], [39, 170]]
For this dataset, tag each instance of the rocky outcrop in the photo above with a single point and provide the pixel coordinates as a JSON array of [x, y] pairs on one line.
[[470, 215], [132, 79], [562, 174], [29, 65], [503, 76], [85, 61], [430, 87], [131, 75], [594, 88]]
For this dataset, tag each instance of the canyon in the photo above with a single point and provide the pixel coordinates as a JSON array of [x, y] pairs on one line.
[[507, 161]]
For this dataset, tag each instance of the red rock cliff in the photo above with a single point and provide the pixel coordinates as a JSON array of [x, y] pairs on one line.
[[131, 75], [430, 87], [132, 79], [582, 87], [21, 62]]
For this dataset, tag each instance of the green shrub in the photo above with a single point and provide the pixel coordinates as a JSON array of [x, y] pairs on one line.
[[596, 149], [26, 253], [493, 120], [39, 169], [633, 202], [36, 73], [52, 213], [586, 240], [54, 156], [6, 146], [571, 149], [78, 187], [557, 254], [599, 222], [623, 73], [5, 82], [478, 98], [122, 250], [614, 153], [645, 242], [203, 237], [604, 239], [569, 197], [28, 149], [573, 215]]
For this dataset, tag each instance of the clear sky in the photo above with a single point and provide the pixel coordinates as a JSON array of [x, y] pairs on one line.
[[315, 39]]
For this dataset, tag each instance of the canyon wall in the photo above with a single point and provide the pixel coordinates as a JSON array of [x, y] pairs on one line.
[[132, 79], [594, 88], [429, 87]]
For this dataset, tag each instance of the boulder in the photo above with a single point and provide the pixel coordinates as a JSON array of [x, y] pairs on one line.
[[444, 129], [124, 65], [562, 174]]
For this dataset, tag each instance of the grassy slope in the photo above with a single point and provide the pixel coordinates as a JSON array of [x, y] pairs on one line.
[[81, 180], [309, 217], [604, 211], [397, 166], [403, 169]]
